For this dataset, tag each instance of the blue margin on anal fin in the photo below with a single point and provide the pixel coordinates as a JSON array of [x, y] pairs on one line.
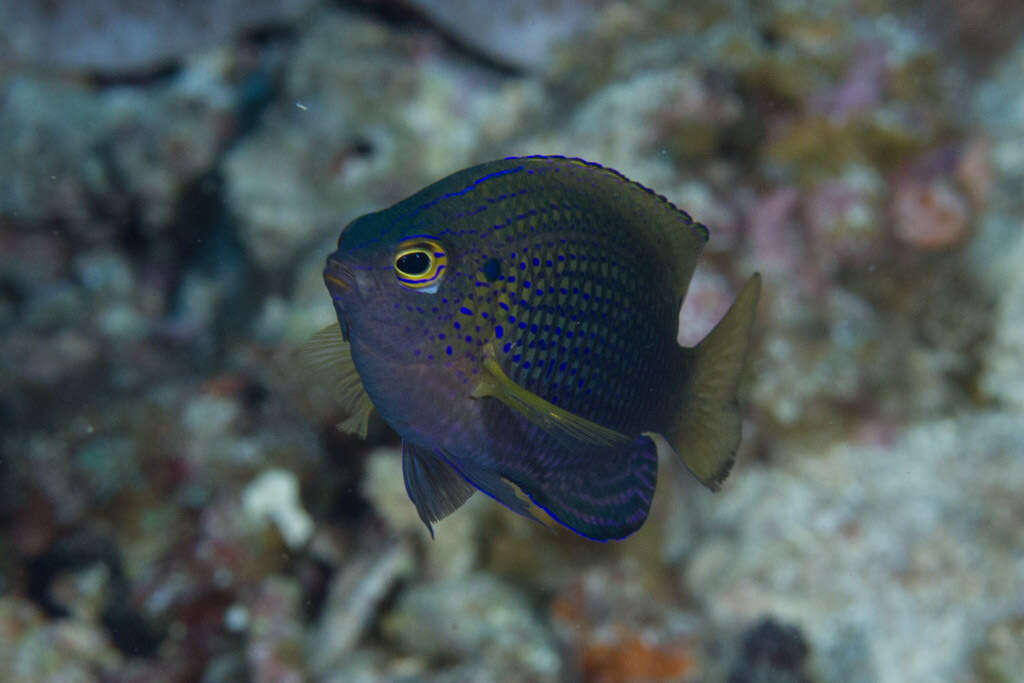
[[497, 488]]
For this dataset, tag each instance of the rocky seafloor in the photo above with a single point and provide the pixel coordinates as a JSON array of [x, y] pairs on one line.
[[176, 506]]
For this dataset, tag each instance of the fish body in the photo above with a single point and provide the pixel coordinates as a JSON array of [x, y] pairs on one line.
[[516, 323]]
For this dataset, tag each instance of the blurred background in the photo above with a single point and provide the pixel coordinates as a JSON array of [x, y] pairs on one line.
[[176, 506]]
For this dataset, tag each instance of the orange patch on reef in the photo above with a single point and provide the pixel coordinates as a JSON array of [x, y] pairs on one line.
[[634, 660], [226, 385], [569, 606]]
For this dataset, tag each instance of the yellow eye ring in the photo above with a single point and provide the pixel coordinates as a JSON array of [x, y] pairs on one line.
[[420, 263]]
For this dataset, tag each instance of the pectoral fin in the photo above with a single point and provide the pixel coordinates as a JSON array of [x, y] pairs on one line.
[[570, 429], [326, 359]]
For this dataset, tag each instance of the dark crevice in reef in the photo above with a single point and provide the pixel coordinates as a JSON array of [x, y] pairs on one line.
[[141, 78], [128, 630], [207, 243], [771, 651], [259, 37]]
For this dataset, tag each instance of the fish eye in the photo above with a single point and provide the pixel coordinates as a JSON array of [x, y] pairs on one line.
[[420, 264], [413, 263]]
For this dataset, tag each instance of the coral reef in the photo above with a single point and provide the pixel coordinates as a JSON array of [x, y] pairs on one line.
[[176, 503], [523, 34], [479, 622], [902, 550], [118, 37]]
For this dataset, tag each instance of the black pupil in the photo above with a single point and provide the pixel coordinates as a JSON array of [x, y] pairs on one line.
[[414, 263]]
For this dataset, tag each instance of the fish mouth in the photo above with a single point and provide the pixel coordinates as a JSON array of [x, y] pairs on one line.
[[338, 278], [337, 282]]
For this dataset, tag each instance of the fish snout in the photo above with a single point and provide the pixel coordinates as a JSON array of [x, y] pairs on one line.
[[339, 283], [338, 278], [347, 283]]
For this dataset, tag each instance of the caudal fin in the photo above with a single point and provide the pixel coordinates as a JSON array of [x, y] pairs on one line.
[[706, 431]]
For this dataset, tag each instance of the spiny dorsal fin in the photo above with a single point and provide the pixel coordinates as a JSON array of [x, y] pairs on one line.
[[707, 430], [670, 230], [665, 232], [326, 359]]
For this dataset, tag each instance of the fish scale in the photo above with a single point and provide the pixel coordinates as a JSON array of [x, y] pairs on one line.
[[545, 353]]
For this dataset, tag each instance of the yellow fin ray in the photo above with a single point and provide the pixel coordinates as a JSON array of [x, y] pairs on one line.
[[327, 360], [558, 422]]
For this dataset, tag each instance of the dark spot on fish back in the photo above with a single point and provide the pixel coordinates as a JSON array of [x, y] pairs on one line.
[[492, 269]]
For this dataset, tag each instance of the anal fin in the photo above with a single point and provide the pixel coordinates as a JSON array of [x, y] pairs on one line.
[[495, 486], [605, 497]]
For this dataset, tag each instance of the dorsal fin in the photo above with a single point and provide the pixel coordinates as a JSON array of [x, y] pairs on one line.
[[670, 230]]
